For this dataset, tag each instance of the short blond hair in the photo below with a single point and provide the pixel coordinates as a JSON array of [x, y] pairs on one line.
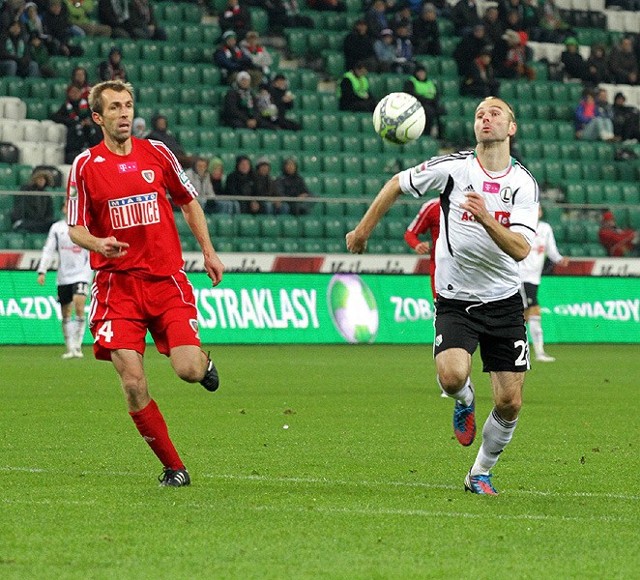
[[95, 96]]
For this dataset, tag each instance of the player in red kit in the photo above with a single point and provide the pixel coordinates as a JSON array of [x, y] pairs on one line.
[[120, 211], [427, 220]]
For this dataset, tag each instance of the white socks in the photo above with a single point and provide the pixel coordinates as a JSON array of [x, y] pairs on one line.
[[465, 394], [535, 329], [78, 332], [496, 433]]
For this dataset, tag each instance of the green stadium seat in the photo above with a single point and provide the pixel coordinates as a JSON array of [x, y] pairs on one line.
[[331, 143], [170, 74], [290, 141], [370, 144], [565, 132], [537, 168], [575, 232], [248, 226], [147, 95], [37, 110], [13, 241], [531, 150], [571, 171], [630, 193], [330, 162], [296, 42], [270, 140], [332, 185], [169, 95], [189, 139], [249, 140], [149, 52], [149, 73], [547, 131], [334, 63], [575, 194], [594, 193], [609, 172], [190, 96], [270, 227], [351, 164], [211, 33], [173, 31], [208, 139], [192, 34], [353, 186], [310, 121], [351, 143], [170, 53], [312, 227]]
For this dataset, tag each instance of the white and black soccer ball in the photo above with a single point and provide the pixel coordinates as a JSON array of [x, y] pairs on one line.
[[399, 118]]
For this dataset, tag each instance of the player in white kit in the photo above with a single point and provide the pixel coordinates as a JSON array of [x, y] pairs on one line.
[[74, 277], [544, 244], [487, 225]]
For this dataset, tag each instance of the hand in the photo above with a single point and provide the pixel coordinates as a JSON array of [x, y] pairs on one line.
[[41, 279], [475, 204], [214, 268], [422, 248], [112, 248], [355, 244], [564, 262]]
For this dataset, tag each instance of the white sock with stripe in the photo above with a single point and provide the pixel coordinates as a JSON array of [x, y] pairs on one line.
[[496, 434]]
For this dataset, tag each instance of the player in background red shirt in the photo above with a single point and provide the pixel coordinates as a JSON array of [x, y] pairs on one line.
[[119, 210], [427, 220]]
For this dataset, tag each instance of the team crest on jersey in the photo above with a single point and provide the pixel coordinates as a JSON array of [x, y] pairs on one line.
[[506, 194], [73, 190], [148, 175]]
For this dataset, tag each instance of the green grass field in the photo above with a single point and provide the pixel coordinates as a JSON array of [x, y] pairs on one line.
[[366, 481]]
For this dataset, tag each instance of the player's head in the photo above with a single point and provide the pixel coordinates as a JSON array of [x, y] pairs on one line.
[[111, 104], [494, 121]]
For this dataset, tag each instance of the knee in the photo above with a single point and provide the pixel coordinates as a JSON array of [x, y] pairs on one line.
[[509, 408], [451, 380], [191, 370]]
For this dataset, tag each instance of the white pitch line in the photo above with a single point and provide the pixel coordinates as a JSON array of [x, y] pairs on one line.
[[334, 482]]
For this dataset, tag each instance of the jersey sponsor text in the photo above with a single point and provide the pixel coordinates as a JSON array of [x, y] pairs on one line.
[[137, 210]]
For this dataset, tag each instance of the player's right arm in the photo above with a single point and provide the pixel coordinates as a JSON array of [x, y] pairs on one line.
[[109, 247], [48, 252], [357, 238]]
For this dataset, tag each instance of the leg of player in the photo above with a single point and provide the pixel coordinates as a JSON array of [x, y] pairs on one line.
[[533, 316], [67, 330], [192, 365], [454, 368], [79, 302], [497, 431], [147, 416]]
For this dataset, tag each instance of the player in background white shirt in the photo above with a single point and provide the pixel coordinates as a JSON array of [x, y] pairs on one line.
[[544, 244], [73, 279], [488, 220]]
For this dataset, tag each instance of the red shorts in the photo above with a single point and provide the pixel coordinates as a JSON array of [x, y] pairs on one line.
[[124, 307]]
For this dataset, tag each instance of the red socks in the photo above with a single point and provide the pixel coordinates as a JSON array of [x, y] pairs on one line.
[[152, 427]]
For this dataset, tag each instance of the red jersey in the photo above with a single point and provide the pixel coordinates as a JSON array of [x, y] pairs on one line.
[[428, 219], [125, 196]]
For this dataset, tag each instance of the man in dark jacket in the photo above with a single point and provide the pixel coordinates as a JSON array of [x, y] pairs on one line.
[[239, 109], [160, 132]]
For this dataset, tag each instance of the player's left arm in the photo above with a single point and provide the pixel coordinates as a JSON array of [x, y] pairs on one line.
[[194, 216], [512, 243]]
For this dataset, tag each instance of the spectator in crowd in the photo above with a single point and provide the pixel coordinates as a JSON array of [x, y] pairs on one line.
[[469, 48], [591, 122], [33, 213], [241, 182], [266, 187], [139, 128], [15, 57], [218, 205], [31, 19], [112, 69], [270, 112], [552, 27], [465, 17], [480, 81], [426, 91], [616, 241], [358, 46], [597, 67], [403, 17], [39, 53], [283, 99], [240, 108], [80, 80], [81, 15], [511, 56], [327, 5], [626, 120], [426, 34], [354, 90], [292, 185], [10, 11], [493, 26], [75, 115], [386, 52], [142, 23], [115, 14], [284, 14], [58, 27], [260, 57], [235, 17], [573, 64], [404, 50], [623, 63], [230, 58], [198, 175], [377, 19], [160, 132]]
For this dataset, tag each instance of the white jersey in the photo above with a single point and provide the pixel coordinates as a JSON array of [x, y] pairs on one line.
[[544, 244], [469, 264], [73, 263]]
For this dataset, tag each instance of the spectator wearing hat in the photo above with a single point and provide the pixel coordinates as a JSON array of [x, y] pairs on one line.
[[480, 80], [616, 241], [160, 132], [230, 58], [626, 119], [386, 55], [112, 69], [284, 100], [465, 16], [591, 122], [235, 17], [139, 128], [260, 57], [292, 185], [241, 182], [511, 56], [358, 46], [266, 187], [15, 58], [219, 205], [354, 91], [573, 64], [240, 109], [426, 91], [33, 213], [426, 33], [623, 63], [469, 48]]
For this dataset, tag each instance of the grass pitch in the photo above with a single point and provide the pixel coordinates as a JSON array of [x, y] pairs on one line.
[[364, 482]]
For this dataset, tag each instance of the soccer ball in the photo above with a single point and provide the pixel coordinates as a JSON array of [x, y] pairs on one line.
[[353, 308], [399, 118]]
